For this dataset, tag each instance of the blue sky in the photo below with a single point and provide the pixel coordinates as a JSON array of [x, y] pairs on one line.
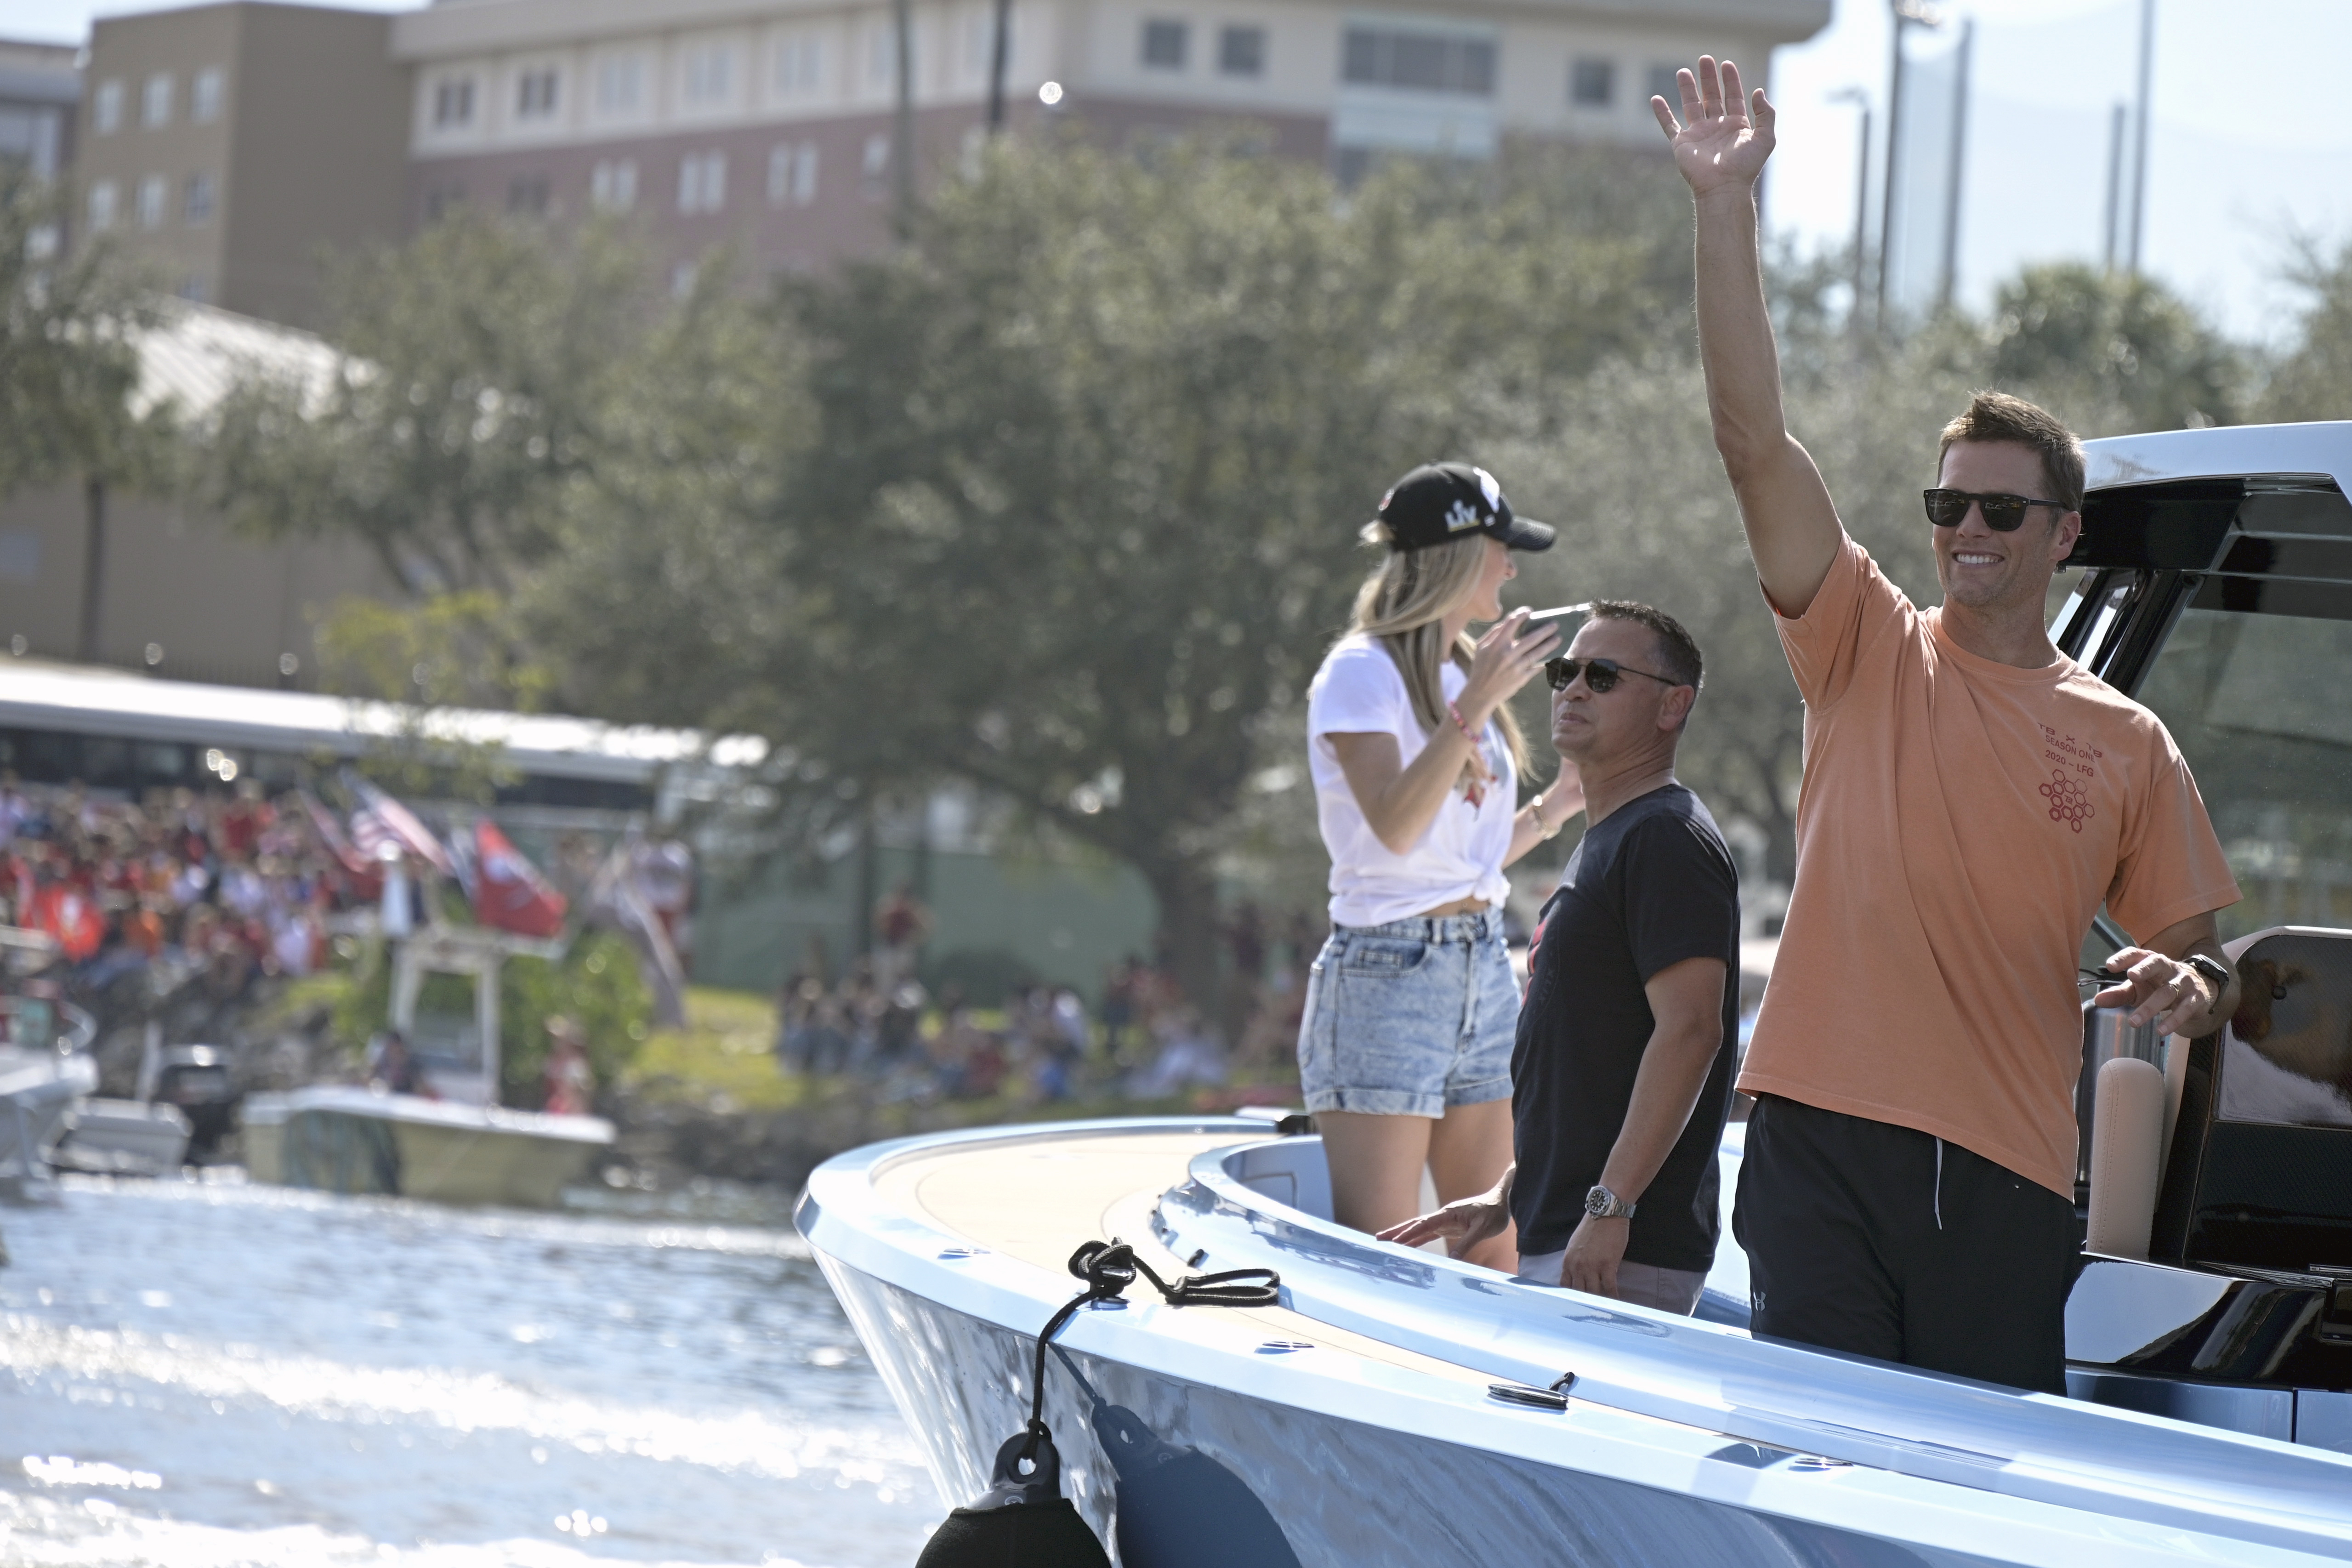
[[2240, 160]]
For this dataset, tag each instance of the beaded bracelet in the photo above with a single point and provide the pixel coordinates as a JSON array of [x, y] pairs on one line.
[[1480, 774]]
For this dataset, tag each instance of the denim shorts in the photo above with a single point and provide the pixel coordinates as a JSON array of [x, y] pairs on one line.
[[1408, 1018]]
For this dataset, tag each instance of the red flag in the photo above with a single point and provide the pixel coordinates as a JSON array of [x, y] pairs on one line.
[[509, 892]]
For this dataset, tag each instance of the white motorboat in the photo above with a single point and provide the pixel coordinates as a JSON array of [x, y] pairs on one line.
[[1400, 1407], [343, 1138], [45, 1070]]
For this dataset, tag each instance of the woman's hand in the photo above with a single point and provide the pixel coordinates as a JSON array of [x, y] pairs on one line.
[[1461, 1225], [1504, 661]]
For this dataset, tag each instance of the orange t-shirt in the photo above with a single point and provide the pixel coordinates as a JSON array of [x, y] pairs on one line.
[[1959, 823]]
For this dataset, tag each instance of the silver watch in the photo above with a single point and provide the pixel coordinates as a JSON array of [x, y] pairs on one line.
[[1603, 1204]]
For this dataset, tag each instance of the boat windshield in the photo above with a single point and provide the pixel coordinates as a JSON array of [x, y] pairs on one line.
[[2262, 706]]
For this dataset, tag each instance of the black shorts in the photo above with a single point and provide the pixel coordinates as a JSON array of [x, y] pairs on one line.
[[1882, 1241]]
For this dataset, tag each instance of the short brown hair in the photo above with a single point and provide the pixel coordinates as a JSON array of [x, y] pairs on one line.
[[1677, 650], [1998, 416]]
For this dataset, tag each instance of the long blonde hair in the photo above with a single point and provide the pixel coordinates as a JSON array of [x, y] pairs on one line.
[[1404, 606]]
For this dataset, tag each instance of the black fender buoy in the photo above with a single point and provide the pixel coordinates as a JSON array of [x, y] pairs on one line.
[[1178, 1508], [1022, 1520]]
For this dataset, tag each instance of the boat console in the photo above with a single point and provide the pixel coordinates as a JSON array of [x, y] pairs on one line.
[[2240, 1312]]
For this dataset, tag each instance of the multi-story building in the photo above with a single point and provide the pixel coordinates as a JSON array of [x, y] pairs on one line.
[[774, 122], [229, 147], [38, 89]]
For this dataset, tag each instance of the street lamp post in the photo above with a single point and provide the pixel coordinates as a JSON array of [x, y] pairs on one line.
[[1906, 13], [1861, 100]]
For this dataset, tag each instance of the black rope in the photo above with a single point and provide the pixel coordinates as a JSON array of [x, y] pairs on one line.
[[1109, 1267]]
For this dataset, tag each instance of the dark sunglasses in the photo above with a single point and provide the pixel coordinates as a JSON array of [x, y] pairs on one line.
[[1600, 674], [2002, 513]]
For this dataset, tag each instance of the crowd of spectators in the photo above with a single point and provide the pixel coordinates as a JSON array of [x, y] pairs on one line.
[[1147, 1041], [222, 885]]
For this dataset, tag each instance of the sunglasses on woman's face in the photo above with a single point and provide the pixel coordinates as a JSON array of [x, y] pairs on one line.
[[1600, 674], [2002, 513]]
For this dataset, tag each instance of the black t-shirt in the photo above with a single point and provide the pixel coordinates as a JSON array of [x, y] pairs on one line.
[[1651, 885]]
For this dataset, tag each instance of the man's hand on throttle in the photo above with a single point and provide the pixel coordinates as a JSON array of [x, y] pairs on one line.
[[1724, 136], [2164, 990]]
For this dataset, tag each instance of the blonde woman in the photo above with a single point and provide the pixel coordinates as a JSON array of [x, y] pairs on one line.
[[1405, 1049]]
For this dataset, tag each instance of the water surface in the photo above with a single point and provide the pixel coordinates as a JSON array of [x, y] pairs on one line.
[[195, 1376]]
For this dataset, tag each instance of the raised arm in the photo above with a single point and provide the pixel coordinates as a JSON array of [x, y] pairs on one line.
[[1720, 144]]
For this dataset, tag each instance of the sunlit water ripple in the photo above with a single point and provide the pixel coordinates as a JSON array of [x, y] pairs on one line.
[[196, 1375]]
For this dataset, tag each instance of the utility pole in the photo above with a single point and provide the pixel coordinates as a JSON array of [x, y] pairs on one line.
[[2114, 185], [902, 151], [1861, 100], [1947, 279], [1000, 59], [2146, 102], [1905, 14], [93, 569]]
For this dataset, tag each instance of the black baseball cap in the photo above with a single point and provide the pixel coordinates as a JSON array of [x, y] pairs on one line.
[[1439, 503]]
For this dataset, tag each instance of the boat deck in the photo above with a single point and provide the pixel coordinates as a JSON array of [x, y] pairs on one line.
[[1037, 1201]]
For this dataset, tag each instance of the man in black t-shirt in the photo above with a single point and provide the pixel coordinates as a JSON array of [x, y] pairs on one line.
[[1622, 1077]]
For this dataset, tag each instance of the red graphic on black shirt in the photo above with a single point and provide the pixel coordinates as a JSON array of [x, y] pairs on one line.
[[2069, 802]]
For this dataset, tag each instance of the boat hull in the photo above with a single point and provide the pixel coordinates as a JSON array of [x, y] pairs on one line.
[[353, 1142], [1359, 1421], [1279, 1485]]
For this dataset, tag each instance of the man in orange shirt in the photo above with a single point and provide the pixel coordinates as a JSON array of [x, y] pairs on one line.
[[1971, 797]]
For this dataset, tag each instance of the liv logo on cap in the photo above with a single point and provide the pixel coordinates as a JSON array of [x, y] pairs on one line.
[[1438, 502]]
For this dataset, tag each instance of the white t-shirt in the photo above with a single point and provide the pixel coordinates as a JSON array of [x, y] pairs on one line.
[[1359, 690]]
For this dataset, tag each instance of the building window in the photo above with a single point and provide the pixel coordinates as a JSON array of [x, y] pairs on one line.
[[106, 108], [103, 198], [799, 65], [1419, 61], [192, 290], [442, 200], [204, 98], [526, 194], [620, 84], [155, 100], [614, 185], [196, 199], [1592, 84], [1662, 84], [877, 181], [535, 94], [154, 194], [1164, 45], [792, 174], [881, 52], [453, 101], [709, 73], [1240, 51], [702, 182]]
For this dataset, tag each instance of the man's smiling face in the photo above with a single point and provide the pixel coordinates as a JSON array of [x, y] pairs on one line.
[[1989, 571]]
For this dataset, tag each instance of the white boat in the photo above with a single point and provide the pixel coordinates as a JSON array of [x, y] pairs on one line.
[[343, 1138], [45, 1071], [456, 1145], [1400, 1407]]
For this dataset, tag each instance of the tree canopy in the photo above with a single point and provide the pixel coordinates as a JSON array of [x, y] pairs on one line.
[[1059, 498]]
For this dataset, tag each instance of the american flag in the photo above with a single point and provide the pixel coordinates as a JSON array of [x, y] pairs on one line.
[[381, 820]]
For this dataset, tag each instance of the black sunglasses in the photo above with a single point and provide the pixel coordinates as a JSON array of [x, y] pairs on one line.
[[2002, 513], [1600, 674]]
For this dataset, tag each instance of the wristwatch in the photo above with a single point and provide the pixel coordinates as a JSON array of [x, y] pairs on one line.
[[2212, 969], [1603, 1204]]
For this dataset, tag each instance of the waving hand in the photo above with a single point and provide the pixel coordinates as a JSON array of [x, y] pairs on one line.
[[1723, 137]]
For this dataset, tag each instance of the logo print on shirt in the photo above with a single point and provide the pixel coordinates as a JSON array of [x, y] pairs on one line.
[[2068, 801]]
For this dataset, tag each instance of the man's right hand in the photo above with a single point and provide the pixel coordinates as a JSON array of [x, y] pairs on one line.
[[1461, 1225], [1723, 137]]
